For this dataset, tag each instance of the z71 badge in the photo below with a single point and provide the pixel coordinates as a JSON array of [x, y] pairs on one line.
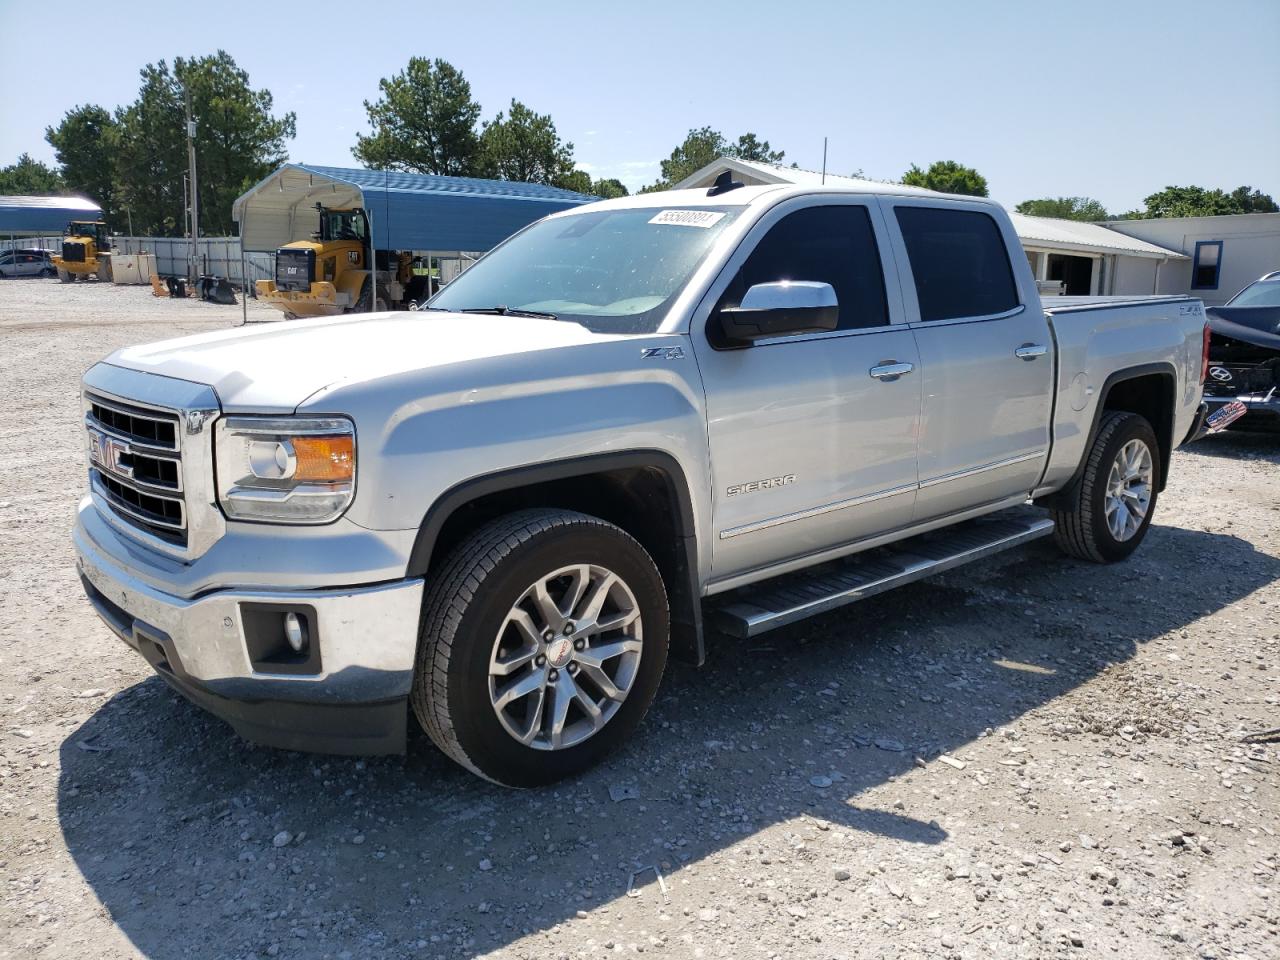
[[662, 353], [767, 484]]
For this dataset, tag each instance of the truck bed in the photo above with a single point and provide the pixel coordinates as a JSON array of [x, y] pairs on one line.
[[1054, 305]]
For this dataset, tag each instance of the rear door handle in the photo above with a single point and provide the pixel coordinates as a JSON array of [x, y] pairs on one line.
[[1029, 351], [890, 370]]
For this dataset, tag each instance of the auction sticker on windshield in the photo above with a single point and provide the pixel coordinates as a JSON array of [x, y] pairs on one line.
[[689, 218]]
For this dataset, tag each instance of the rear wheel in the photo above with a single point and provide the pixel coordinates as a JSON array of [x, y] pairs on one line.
[[1116, 497], [544, 637], [66, 276]]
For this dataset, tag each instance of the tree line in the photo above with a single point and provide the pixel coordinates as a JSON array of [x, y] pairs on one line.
[[132, 160]]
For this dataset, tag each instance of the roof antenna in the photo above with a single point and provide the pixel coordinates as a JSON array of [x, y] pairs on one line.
[[724, 183], [824, 161]]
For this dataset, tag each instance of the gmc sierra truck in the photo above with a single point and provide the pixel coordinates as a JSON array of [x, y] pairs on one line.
[[733, 407]]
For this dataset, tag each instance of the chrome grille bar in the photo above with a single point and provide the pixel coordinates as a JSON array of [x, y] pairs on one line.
[[137, 425]]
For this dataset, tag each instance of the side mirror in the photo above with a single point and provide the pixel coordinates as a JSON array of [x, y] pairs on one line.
[[776, 310]]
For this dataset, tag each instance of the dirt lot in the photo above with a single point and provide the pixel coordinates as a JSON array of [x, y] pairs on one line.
[[1037, 758]]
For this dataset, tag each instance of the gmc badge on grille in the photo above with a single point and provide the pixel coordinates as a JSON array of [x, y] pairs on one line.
[[110, 454]]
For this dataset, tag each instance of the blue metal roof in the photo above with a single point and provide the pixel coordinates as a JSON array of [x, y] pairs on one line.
[[28, 216], [408, 211]]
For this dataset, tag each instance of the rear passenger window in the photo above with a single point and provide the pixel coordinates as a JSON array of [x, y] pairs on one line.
[[834, 245], [959, 262]]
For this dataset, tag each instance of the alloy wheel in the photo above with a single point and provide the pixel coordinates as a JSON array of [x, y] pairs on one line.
[[566, 656], [1129, 486]]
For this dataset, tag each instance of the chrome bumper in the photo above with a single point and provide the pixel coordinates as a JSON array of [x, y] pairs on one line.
[[353, 702]]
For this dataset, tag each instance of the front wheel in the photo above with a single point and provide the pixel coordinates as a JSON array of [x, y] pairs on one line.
[[1112, 506], [544, 637]]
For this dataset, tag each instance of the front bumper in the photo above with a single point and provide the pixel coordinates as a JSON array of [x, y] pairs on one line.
[[351, 698], [1264, 410]]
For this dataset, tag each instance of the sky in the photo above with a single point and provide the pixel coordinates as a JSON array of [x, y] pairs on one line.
[[1112, 100]]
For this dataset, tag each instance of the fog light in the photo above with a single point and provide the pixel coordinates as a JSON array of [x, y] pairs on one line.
[[295, 631]]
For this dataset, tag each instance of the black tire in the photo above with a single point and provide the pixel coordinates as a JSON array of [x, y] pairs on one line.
[[1081, 530], [463, 612], [364, 303]]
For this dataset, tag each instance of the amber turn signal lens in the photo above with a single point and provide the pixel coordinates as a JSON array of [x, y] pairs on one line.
[[324, 459]]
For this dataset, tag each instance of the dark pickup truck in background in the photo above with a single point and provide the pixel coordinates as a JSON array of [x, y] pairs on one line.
[[1244, 354]]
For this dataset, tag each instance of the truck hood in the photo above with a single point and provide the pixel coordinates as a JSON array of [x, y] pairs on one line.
[[274, 367]]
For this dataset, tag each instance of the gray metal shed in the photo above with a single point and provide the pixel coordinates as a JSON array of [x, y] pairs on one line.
[[407, 211]]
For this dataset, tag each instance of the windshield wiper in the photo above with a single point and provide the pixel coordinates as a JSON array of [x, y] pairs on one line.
[[504, 311]]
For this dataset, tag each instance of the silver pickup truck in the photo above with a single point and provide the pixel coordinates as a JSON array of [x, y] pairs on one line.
[[735, 407]]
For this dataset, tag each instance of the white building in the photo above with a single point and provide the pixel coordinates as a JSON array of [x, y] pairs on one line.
[[1221, 254], [1121, 257]]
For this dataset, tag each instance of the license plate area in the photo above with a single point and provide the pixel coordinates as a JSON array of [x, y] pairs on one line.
[[1224, 416]]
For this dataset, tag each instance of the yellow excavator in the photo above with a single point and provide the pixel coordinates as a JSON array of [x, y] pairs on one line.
[[86, 251], [330, 273]]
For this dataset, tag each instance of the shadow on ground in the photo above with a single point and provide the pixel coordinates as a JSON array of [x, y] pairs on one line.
[[170, 817], [1239, 444]]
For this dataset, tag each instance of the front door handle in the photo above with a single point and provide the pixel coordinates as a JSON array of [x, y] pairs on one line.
[[1029, 351], [889, 370]]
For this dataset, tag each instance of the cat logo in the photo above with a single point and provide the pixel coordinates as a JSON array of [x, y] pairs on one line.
[[353, 256]]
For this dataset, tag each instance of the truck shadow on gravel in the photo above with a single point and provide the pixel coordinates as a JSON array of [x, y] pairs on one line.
[[1239, 445], [199, 844]]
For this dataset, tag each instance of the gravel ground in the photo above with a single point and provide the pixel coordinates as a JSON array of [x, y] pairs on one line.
[[1033, 758]]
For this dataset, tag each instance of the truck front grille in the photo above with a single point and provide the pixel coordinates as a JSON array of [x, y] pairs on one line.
[[135, 465], [73, 252], [295, 269]]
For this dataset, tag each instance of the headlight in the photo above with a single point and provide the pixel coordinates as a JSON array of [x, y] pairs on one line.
[[286, 469]]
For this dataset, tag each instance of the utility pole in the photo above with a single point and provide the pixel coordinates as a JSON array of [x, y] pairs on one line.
[[194, 194]]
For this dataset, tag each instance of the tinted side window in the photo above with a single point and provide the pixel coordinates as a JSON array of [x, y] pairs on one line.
[[959, 262], [834, 245]]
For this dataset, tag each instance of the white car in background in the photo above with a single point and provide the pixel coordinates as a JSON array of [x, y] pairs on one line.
[[26, 263]]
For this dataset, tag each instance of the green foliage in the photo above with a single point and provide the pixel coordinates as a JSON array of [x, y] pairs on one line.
[[1065, 208], [29, 177], [425, 122], [751, 147], [608, 189], [86, 143], [523, 145], [703, 146], [578, 180], [238, 142], [581, 181], [1198, 202], [947, 176], [1253, 201]]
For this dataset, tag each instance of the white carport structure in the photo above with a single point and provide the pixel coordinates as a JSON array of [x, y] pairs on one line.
[[1067, 256], [406, 211]]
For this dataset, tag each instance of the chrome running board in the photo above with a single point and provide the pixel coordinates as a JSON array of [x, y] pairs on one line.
[[755, 609]]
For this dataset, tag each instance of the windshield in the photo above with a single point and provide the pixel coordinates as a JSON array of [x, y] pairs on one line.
[[342, 225], [1260, 293], [613, 271]]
